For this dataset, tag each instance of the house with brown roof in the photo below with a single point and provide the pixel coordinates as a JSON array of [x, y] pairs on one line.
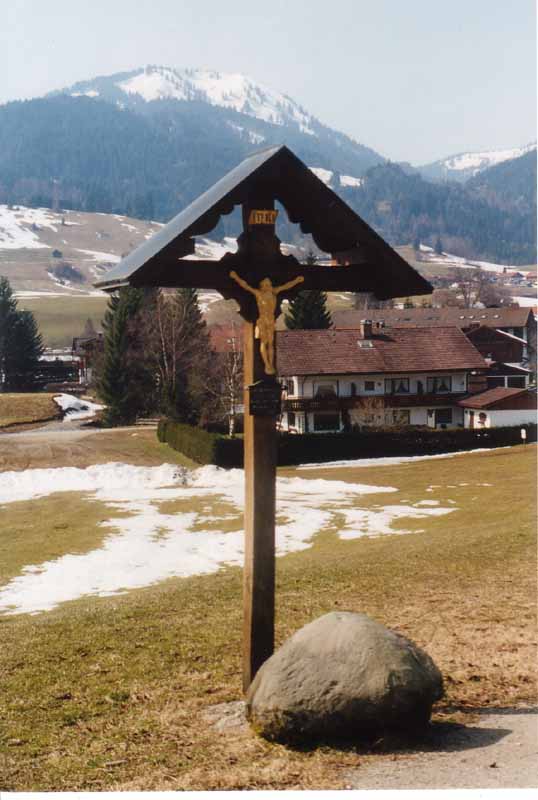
[[337, 379], [499, 406], [519, 323]]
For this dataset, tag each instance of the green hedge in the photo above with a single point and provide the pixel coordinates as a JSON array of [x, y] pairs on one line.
[[201, 446], [212, 448]]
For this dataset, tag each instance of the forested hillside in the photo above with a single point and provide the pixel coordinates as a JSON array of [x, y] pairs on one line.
[[151, 159], [404, 208], [510, 185]]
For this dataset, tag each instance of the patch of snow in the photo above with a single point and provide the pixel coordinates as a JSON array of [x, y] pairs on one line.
[[324, 175], [449, 260], [89, 93], [368, 522], [386, 461], [75, 408], [476, 162], [208, 249], [526, 302], [148, 545], [229, 90], [20, 226], [349, 180], [29, 293], [98, 256]]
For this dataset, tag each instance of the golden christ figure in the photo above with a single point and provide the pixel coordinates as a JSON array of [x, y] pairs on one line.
[[265, 324]]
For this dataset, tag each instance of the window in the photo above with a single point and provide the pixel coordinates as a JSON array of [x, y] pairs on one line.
[[443, 416], [291, 386], [396, 385], [516, 382], [495, 381], [326, 422], [400, 416], [365, 344], [325, 390], [353, 389], [440, 384], [291, 419], [369, 386]]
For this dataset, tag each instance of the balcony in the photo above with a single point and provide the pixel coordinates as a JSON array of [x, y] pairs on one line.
[[310, 404]]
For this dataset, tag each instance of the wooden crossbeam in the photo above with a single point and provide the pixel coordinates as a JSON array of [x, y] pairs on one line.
[[216, 275]]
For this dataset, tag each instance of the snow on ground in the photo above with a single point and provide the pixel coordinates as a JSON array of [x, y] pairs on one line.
[[387, 461], [19, 227], [526, 302], [29, 293], [98, 256], [208, 249], [486, 158], [75, 408], [148, 545], [230, 90], [324, 175], [349, 180], [450, 260]]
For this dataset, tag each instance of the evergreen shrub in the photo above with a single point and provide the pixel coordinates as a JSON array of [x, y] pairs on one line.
[[200, 445], [211, 448]]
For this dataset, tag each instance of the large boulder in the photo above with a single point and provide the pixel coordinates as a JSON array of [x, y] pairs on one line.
[[342, 675]]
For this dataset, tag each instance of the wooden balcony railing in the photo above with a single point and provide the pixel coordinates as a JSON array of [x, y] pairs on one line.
[[310, 404]]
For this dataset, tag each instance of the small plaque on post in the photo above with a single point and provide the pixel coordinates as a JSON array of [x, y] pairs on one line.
[[262, 216], [264, 398]]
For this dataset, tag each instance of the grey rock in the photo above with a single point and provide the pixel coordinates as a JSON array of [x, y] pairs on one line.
[[342, 675]]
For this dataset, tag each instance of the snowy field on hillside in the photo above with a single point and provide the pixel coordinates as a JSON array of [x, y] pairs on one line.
[[449, 260], [19, 227], [149, 545]]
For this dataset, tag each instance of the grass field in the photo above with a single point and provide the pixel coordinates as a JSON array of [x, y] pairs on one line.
[[110, 693], [26, 409], [61, 318]]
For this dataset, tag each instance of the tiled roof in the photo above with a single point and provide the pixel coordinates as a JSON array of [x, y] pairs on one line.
[[435, 317], [330, 352], [491, 397]]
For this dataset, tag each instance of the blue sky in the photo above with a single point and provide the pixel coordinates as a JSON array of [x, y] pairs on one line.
[[414, 79]]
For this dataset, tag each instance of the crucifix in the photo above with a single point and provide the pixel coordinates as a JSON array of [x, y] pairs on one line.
[[259, 276]]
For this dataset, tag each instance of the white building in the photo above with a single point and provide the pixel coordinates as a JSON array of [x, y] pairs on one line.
[[337, 379], [498, 407]]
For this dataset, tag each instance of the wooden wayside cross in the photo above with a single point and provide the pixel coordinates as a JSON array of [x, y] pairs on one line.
[[259, 276]]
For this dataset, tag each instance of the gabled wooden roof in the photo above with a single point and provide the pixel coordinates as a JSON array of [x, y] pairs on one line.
[[278, 175]]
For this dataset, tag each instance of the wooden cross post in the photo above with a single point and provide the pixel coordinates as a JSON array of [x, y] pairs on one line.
[[260, 456], [260, 447], [258, 276]]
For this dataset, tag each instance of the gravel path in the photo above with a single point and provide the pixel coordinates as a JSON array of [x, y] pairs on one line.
[[500, 751]]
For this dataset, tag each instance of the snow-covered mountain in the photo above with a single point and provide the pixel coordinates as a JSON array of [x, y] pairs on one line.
[[227, 90], [462, 166]]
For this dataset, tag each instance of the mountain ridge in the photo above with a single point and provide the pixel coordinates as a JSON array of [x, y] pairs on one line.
[[463, 166], [102, 146]]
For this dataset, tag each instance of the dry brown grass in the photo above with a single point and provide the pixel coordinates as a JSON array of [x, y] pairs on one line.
[[110, 693], [26, 409], [82, 448]]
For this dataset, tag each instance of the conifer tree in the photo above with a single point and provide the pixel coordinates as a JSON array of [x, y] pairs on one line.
[[124, 383], [308, 310], [21, 345]]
